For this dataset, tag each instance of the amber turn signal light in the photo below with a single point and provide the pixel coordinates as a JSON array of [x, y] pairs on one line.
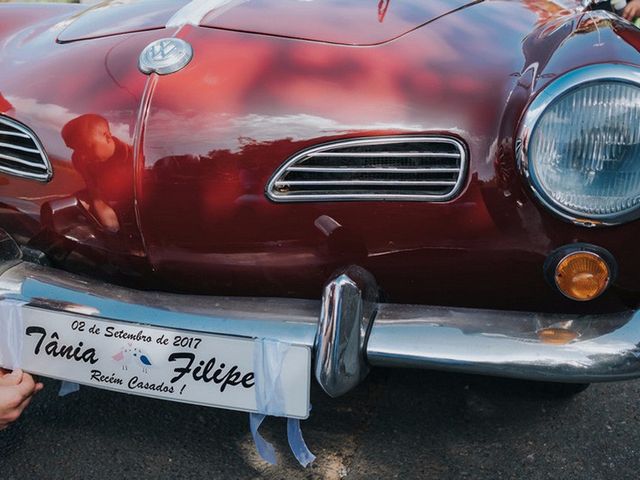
[[582, 275], [556, 336]]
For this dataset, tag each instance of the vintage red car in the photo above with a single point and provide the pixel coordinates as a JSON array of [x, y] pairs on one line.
[[197, 196]]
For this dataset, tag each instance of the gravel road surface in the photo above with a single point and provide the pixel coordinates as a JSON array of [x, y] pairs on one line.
[[398, 424]]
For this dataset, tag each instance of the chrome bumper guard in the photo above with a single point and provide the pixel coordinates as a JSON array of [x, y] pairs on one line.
[[349, 330]]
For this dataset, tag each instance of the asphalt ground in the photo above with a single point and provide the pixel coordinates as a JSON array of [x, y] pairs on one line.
[[397, 424]]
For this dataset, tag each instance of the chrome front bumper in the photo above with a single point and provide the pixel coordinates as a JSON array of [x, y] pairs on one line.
[[349, 330]]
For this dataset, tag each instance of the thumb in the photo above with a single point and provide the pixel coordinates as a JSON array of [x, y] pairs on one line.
[[13, 378]]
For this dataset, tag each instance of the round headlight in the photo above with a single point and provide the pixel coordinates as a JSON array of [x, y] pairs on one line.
[[579, 145]]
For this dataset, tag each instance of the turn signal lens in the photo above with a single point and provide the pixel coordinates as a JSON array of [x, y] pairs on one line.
[[556, 336], [582, 276]]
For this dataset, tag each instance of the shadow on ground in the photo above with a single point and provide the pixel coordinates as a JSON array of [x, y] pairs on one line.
[[398, 424]]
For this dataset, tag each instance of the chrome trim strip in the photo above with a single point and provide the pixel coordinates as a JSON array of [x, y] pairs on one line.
[[372, 170], [18, 147], [194, 11], [39, 149], [21, 161], [273, 194], [43, 177], [553, 92], [500, 343], [284, 183], [386, 154], [14, 134]]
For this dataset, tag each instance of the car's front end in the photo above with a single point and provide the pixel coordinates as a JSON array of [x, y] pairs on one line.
[[456, 193]]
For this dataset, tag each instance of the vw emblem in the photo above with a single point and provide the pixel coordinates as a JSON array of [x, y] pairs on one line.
[[164, 56]]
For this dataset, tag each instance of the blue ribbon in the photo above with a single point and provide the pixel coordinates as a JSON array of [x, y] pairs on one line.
[[264, 448], [297, 444], [267, 451]]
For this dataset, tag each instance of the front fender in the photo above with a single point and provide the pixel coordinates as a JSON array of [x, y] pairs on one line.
[[84, 217]]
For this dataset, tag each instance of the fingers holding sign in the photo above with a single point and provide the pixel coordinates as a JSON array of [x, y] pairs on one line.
[[16, 391]]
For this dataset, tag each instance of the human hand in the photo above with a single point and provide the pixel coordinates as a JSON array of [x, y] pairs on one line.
[[106, 216], [632, 10], [16, 391]]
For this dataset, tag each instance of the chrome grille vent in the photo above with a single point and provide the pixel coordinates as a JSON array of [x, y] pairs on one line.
[[383, 168], [21, 153]]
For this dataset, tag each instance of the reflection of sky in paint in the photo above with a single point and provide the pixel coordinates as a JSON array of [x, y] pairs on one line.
[[108, 308], [49, 116], [312, 99], [447, 344], [294, 332], [350, 22], [272, 16], [193, 12], [411, 11], [260, 128], [450, 347], [117, 16]]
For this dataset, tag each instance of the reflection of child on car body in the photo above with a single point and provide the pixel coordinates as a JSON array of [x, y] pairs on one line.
[[106, 165], [16, 391]]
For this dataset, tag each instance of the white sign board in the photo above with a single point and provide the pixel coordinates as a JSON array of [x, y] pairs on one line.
[[177, 365]]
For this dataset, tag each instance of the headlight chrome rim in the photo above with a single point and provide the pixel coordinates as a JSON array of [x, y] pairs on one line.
[[553, 92]]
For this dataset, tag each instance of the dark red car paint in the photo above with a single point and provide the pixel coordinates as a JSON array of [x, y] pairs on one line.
[[205, 141], [354, 22]]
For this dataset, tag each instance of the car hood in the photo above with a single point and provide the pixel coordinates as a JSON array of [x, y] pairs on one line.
[[355, 22]]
